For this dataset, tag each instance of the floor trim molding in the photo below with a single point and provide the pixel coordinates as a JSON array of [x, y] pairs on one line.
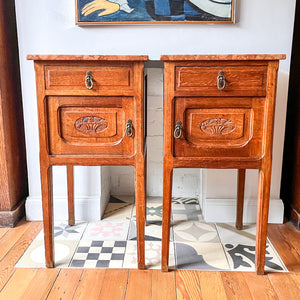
[[224, 210], [11, 217]]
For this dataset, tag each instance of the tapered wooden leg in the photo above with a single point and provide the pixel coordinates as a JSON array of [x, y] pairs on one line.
[[70, 180], [166, 220], [262, 217], [140, 203], [46, 183], [240, 199]]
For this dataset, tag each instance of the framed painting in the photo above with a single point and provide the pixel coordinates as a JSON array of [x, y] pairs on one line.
[[89, 12]]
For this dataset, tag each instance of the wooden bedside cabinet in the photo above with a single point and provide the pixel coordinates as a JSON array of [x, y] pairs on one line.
[[218, 113], [91, 112]]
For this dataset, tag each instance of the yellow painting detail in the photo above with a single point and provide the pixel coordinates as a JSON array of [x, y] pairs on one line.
[[107, 7]]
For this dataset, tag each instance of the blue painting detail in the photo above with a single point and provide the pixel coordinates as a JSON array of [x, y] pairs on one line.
[[153, 10]]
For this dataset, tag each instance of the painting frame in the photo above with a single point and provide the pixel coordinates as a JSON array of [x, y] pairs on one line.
[[117, 17]]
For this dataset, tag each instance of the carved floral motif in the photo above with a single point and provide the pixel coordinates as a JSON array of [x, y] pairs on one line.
[[217, 126], [91, 124]]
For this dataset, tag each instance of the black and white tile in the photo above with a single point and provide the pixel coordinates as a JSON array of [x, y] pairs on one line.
[[99, 254], [111, 242], [242, 258]]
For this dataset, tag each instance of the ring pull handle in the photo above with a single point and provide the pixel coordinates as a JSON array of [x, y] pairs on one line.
[[178, 130], [89, 80], [221, 80], [129, 128]]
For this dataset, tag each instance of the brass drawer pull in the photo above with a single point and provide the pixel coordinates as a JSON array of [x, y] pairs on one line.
[[129, 128], [221, 80], [178, 130], [89, 80]]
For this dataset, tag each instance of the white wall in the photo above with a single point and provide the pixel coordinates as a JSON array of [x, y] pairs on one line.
[[48, 27]]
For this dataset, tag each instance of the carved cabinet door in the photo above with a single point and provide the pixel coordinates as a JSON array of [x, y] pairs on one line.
[[90, 125], [217, 126]]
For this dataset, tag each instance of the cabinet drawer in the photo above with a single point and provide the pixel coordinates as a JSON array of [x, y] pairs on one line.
[[73, 77], [89, 125], [219, 128], [237, 80]]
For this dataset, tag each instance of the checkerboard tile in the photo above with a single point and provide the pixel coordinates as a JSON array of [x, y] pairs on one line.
[[99, 254]]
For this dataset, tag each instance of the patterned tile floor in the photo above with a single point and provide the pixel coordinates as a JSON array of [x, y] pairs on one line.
[[111, 242]]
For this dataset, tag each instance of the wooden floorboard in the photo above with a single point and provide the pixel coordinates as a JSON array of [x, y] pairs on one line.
[[114, 284], [90, 284], [296, 278], [163, 285], [65, 284], [284, 286], [260, 286], [139, 285], [30, 284], [236, 286], [285, 248], [34, 283], [10, 238], [187, 285], [3, 231], [10, 259], [211, 285]]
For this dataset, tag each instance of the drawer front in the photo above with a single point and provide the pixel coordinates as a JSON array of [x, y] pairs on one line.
[[222, 80], [74, 77], [217, 127], [85, 125]]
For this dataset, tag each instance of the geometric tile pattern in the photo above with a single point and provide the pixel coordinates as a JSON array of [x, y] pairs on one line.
[[99, 254], [152, 255], [111, 242], [112, 230]]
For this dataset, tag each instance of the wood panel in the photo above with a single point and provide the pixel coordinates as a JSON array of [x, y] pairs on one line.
[[284, 286], [139, 285], [65, 284], [187, 285], [211, 285], [3, 232], [240, 80], [13, 174], [296, 278], [30, 284], [259, 286], [235, 286], [90, 284], [10, 259], [73, 77], [10, 238], [86, 126], [290, 180], [114, 284], [289, 255], [163, 285]]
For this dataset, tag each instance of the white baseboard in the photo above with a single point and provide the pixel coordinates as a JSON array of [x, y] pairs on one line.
[[86, 208], [224, 210]]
